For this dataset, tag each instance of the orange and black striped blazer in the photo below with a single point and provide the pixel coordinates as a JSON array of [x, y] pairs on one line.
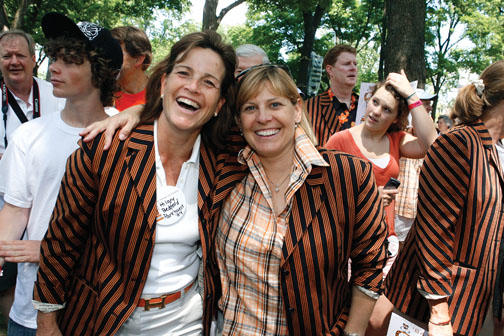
[[453, 246], [97, 250], [336, 214], [324, 117]]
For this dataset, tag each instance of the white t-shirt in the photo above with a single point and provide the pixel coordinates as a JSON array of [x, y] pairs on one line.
[[30, 177], [500, 150], [175, 260], [48, 104]]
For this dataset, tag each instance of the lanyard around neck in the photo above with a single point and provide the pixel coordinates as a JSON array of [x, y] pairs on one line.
[[8, 98]]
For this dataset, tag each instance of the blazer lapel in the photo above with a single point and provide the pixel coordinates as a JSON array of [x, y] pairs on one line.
[[305, 205], [206, 174], [491, 152], [230, 172], [140, 161]]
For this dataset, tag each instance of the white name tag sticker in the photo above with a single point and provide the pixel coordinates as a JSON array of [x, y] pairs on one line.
[[171, 204], [400, 326]]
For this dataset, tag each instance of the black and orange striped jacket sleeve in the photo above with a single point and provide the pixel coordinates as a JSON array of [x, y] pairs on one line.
[[323, 116], [452, 248], [96, 254], [336, 214]]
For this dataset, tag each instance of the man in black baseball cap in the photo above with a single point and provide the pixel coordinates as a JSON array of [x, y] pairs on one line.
[[97, 38], [85, 63]]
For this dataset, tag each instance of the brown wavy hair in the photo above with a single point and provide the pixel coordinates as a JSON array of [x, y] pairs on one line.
[[214, 131], [72, 50], [135, 42], [402, 107], [469, 106]]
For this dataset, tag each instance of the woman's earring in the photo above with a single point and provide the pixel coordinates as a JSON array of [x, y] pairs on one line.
[[215, 114]]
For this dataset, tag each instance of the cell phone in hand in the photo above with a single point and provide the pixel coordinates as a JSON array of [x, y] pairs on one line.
[[393, 183]]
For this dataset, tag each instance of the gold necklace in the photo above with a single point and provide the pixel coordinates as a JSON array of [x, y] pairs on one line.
[[277, 186]]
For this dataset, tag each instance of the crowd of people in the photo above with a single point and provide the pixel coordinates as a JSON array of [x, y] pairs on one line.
[[219, 201]]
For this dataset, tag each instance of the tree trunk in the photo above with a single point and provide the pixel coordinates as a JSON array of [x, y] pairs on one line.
[[210, 15], [20, 13], [404, 46], [311, 24], [4, 20]]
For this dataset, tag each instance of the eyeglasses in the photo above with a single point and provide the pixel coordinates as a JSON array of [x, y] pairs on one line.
[[263, 66]]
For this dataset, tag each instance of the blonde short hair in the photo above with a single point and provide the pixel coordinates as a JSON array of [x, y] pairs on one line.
[[281, 84]]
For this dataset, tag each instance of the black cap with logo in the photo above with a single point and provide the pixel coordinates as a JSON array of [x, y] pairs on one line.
[[98, 38]]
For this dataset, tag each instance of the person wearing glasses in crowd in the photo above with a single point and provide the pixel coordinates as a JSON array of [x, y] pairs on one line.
[[451, 262], [130, 229], [288, 225], [249, 55]]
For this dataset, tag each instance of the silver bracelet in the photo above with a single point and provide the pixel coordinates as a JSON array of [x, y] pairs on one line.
[[350, 334]]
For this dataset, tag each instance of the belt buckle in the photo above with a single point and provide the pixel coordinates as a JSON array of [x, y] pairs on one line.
[[161, 304]]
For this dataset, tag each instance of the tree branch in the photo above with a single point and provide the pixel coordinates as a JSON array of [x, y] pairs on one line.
[[225, 10]]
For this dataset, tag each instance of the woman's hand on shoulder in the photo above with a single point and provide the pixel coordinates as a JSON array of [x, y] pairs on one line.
[[125, 121], [400, 83]]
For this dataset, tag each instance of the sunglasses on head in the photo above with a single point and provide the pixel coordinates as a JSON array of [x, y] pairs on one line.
[[284, 67]]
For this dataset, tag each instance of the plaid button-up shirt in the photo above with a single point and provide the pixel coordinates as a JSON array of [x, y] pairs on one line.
[[249, 245], [407, 196]]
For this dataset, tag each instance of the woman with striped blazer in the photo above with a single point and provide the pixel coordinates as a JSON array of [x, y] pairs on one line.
[[289, 218], [447, 271], [122, 253]]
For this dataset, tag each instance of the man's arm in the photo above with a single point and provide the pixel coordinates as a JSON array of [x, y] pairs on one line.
[[13, 221]]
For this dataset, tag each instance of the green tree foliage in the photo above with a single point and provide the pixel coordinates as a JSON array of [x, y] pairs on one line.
[[442, 37], [164, 29], [485, 28], [27, 14], [355, 22], [281, 27], [293, 26], [461, 35]]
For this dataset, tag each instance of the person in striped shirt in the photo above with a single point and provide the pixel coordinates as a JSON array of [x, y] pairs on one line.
[[450, 264], [335, 109]]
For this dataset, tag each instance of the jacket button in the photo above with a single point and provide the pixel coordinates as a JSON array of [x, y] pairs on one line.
[[209, 296], [285, 272], [291, 310]]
